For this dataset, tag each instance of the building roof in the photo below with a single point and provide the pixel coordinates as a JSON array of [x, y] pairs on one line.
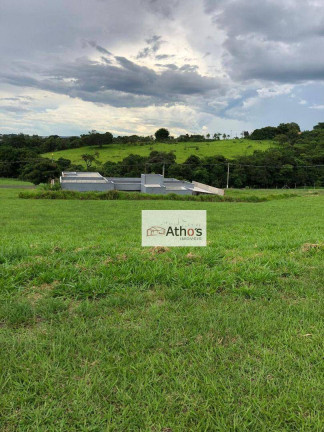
[[89, 180], [80, 174]]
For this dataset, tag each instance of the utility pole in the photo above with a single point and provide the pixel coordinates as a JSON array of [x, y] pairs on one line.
[[163, 170], [228, 172]]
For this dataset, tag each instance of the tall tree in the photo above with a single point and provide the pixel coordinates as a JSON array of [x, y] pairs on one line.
[[40, 172], [162, 134]]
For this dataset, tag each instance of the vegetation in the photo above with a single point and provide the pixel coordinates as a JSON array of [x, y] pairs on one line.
[[290, 130], [120, 195], [40, 172], [89, 159], [162, 134], [99, 334], [95, 138], [297, 158]]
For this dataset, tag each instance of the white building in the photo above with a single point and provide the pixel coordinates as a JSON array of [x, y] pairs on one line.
[[147, 183]]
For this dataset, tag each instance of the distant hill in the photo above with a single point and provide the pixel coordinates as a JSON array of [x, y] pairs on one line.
[[117, 152]]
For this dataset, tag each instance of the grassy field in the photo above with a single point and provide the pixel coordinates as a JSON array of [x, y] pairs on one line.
[[99, 334], [237, 193], [117, 152], [13, 182]]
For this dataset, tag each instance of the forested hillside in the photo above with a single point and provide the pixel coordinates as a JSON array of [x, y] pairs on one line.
[[294, 159]]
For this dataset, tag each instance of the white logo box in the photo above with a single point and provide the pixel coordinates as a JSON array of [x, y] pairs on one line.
[[174, 228]]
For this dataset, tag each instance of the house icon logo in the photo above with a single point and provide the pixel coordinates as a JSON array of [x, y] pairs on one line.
[[155, 230]]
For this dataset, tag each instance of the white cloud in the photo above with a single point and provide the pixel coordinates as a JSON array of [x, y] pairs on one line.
[[317, 107]]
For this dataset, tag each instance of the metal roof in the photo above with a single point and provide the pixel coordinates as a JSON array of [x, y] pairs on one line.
[[90, 180], [80, 174]]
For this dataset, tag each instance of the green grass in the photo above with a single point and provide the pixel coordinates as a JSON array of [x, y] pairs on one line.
[[117, 152], [265, 193], [13, 182], [99, 334]]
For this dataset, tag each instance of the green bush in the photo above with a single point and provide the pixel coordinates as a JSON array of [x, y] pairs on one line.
[[48, 186]]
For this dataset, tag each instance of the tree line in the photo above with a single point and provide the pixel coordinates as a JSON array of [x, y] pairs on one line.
[[296, 160], [39, 144]]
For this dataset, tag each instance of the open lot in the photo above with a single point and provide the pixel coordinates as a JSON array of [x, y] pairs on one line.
[[99, 334], [117, 152]]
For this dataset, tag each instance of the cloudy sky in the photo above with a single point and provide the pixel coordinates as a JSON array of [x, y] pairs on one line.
[[131, 66]]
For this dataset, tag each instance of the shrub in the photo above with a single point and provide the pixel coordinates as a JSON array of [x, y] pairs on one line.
[[137, 196]]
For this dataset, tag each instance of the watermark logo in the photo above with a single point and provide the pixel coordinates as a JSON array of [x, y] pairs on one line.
[[155, 230], [174, 228]]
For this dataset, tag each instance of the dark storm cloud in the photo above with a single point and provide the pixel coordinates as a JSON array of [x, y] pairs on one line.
[[123, 84], [165, 8], [164, 56], [271, 39], [173, 67], [153, 45], [170, 66], [99, 48], [272, 19]]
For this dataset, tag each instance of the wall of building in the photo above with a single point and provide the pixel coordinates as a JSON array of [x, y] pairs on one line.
[[87, 187], [153, 189], [152, 179], [178, 184], [127, 186]]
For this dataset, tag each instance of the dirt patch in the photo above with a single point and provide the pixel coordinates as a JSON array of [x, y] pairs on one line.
[[108, 261], [121, 257], [236, 259], [81, 267], [57, 249], [158, 250], [80, 249], [312, 246], [39, 292], [84, 248], [191, 256]]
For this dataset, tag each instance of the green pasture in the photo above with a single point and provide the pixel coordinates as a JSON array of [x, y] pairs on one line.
[[117, 152], [13, 182], [100, 334]]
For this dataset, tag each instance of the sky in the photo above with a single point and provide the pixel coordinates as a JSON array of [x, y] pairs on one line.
[[132, 66]]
